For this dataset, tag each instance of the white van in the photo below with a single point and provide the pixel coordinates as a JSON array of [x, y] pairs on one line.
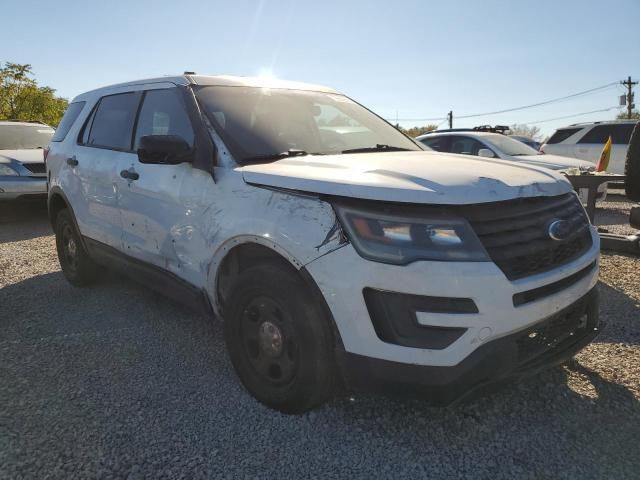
[[336, 250]]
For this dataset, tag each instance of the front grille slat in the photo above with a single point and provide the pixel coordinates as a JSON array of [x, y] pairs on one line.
[[515, 233], [516, 224], [509, 212]]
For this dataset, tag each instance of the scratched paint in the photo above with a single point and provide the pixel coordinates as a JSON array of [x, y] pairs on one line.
[[414, 177], [186, 220]]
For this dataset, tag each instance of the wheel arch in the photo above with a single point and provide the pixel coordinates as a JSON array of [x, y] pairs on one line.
[[246, 248], [57, 201], [241, 252], [238, 253]]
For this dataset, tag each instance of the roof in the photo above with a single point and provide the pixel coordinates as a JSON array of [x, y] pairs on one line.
[[220, 80], [260, 82], [473, 133], [603, 122], [520, 137]]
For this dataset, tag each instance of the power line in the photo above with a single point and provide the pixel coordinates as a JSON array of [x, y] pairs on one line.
[[566, 97], [514, 109], [570, 116]]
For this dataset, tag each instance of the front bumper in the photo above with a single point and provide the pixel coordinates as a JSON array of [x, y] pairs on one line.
[[549, 342], [14, 187], [343, 276]]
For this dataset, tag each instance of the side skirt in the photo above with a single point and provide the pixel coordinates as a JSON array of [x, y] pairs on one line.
[[158, 279]]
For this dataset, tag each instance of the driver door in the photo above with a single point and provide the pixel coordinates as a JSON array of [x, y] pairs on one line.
[[156, 200]]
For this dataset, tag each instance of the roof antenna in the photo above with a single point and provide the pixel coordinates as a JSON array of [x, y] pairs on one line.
[[189, 73]]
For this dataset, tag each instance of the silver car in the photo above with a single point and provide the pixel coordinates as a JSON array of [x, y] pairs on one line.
[[22, 167], [503, 147]]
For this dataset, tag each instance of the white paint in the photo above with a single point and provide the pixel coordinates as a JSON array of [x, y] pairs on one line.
[[414, 177], [34, 155], [481, 281], [177, 218]]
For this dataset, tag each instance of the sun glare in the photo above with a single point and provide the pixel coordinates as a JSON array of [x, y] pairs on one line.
[[266, 73]]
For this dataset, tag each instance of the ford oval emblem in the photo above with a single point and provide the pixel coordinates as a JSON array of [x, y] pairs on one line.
[[559, 230]]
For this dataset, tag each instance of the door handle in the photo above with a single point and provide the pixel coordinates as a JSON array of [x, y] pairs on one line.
[[72, 161], [129, 175]]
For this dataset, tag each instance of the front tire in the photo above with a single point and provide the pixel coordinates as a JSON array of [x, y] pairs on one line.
[[75, 263], [280, 342]]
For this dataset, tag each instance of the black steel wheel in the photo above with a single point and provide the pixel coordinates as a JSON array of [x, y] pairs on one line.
[[269, 340], [75, 263], [280, 342]]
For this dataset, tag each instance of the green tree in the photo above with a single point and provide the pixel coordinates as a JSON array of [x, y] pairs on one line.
[[635, 115], [21, 98], [413, 132]]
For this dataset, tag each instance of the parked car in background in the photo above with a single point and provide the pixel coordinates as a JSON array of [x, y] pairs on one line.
[[527, 141], [22, 167], [335, 248], [586, 140], [498, 145]]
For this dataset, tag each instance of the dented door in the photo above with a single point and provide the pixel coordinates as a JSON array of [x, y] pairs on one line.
[[159, 207]]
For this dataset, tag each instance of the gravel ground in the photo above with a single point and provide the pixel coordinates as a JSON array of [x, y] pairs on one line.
[[613, 214], [116, 382]]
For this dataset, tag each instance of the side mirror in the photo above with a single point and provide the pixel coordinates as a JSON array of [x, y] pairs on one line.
[[486, 153], [164, 149]]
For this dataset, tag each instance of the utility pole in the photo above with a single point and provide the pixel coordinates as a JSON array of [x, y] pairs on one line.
[[629, 84], [450, 116]]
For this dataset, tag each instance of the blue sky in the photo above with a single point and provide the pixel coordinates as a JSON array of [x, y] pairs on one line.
[[404, 59]]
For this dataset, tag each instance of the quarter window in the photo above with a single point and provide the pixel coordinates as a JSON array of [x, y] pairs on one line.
[[113, 122], [69, 117], [439, 144], [163, 113]]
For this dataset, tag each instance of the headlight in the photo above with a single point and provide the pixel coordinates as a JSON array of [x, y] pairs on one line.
[[402, 240], [7, 170]]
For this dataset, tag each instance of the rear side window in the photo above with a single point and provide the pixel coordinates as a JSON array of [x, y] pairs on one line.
[[465, 145], [620, 134], [112, 124], [440, 144], [163, 113], [69, 117], [562, 135]]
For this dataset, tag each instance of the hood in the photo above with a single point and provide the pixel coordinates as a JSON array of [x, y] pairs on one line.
[[35, 155], [410, 177], [554, 162]]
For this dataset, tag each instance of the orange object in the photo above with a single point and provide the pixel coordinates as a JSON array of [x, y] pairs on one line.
[[603, 163]]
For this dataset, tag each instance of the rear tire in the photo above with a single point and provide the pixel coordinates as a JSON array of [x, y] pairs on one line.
[[75, 263], [632, 166], [280, 341]]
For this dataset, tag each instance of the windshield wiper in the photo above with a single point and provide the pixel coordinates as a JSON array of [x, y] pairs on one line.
[[292, 152], [380, 147]]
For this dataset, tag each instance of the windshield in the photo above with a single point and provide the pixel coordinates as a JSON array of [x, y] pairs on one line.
[[509, 146], [265, 123], [19, 137]]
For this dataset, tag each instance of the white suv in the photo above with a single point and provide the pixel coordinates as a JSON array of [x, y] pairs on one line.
[[336, 250], [586, 141]]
